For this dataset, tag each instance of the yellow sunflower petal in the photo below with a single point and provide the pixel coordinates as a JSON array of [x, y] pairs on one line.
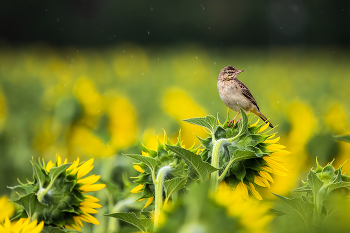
[[137, 189], [272, 140], [89, 218], [272, 136], [91, 198], [85, 168], [141, 199], [88, 204], [255, 123], [65, 161], [274, 165], [77, 221], [254, 192], [91, 187], [30, 226], [261, 181], [138, 168], [149, 201], [280, 153], [74, 166], [49, 166], [38, 228], [242, 189], [89, 180], [276, 158], [145, 154], [266, 175], [275, 171], [275, 147], [59, 160], [263, 128], [88, 210], [75, 227]]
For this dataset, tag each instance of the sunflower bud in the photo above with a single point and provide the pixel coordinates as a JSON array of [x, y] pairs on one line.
[[57, 194]]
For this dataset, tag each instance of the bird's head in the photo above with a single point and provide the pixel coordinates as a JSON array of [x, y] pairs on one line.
[[229, 72]]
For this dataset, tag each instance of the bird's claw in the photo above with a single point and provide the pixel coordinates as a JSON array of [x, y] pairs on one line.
[[232, 122]]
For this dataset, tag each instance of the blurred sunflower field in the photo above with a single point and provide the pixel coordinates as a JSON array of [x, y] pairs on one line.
[[104, 103]]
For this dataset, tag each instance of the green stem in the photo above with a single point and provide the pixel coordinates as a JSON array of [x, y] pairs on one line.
[[214, 182], [318, 205], [159, 194], [222, 176]]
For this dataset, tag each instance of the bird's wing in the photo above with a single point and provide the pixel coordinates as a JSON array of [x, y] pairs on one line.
[[246, 93]]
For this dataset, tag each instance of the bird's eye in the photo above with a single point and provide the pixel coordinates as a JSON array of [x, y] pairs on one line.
[[229, 72]]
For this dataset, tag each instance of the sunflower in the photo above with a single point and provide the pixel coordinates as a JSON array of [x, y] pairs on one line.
[[60, 189], [251, 217], [247, 155], [23, 225], [163, 157]]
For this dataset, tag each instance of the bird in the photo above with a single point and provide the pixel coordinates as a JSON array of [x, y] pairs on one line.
[[235, 94]]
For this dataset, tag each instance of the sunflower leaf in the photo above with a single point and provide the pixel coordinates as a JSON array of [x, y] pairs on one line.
[[141, 223], [56, 171], [174, 185], [38, 174], [303, 208], [201, 168], [305, 188], [30, 203], [243, 123], [338, 185], [344, 138], [208, 122], [314, 182], [150, 162]]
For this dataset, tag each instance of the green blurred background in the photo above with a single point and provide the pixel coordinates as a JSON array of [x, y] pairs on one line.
[[96, 78]]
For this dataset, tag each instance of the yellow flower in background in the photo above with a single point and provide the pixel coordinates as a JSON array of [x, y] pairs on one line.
[[121, 126], [178, 104], [303, 124], [6, 209], [122, 122], [23, 225], [93, 102], [336, 120], [253, 217]]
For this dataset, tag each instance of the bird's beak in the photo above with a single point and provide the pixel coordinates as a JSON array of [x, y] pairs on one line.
[[239, 71]]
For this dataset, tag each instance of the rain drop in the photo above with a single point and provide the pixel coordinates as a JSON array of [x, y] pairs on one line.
[[195, 72], [142, 73], [158, 59], [151, 8], [214, 63], [196, 57], [148, 33], [281, 27], [98, 111], [278, 102], [209, 28], [57, 19]]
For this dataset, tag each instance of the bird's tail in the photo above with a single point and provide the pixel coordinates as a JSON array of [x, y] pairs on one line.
[[258, 113]]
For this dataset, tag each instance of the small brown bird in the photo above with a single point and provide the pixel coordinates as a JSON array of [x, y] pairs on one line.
[[234, 93]]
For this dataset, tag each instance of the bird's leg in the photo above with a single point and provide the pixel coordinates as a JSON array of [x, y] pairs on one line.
[[239, 119], [233, 120]]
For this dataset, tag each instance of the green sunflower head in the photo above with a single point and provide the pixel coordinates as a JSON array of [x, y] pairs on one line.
[[57, 194], [247, 153], [161, 157]]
